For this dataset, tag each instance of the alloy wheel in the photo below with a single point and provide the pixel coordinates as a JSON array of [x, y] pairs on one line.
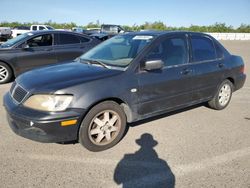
[[224, 94], [104, 127], [3, 73]]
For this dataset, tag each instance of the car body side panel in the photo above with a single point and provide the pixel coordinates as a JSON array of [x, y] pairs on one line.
[[119, 86], [207, 76], [31, 58], [164, 89]]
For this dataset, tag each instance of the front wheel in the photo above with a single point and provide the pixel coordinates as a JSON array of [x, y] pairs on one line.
[[103, 126], [223, 96]]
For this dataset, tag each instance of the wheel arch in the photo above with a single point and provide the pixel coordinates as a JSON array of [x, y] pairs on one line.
[[126, 108], [231, 79]]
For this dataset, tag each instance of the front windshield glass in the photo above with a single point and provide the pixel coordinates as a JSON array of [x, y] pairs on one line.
[[118, 51], [15, 40]]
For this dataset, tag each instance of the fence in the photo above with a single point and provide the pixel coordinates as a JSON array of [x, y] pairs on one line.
[[231, 36]]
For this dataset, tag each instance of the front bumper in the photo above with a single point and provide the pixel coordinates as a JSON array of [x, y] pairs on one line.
[[42, 126]]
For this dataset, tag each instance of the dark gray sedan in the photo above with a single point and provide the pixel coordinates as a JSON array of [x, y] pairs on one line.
[[39, 48], [125, 79]]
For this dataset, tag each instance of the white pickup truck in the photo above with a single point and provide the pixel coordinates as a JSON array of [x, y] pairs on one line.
[[5, 33], [23, 29]]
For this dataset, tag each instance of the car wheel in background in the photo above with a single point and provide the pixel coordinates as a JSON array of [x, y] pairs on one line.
[[5, 73]]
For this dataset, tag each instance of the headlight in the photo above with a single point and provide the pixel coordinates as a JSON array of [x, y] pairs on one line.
[[49, 102]]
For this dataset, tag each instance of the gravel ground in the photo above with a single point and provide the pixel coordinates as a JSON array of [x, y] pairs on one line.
[[198, 147]]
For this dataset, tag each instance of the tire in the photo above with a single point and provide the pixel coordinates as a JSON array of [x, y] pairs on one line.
[[5, 73], [103, 126], [223, 96]]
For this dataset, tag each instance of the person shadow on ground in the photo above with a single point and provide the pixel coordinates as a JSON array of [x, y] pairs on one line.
[[144, 168]]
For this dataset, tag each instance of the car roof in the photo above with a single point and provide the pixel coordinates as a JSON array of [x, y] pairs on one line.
[[54, 31], [160, 33]]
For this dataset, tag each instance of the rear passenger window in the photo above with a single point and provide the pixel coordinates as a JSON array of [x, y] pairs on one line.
[[68, 39], [219, 51], [41, 28], [171, 51], [202, 49]]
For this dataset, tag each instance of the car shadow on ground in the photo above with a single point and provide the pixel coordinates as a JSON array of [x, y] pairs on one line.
[[144, 168]]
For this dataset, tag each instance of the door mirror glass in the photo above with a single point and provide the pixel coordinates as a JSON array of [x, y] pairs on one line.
[[25, 46], [153, 65]]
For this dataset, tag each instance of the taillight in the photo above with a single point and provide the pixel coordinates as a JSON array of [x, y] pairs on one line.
[[242, 69]]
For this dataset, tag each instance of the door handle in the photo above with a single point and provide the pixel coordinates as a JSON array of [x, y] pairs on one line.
[[186, 71], [220, 65]]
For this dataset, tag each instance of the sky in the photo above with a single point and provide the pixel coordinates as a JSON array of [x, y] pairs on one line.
[[128, 12]]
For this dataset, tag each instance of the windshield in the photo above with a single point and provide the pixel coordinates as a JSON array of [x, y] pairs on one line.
[[15, 40], [119, 50]]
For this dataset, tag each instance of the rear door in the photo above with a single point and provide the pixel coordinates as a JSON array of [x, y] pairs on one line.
[[70, 46], [35, 52], [208, 66], [170, 87]]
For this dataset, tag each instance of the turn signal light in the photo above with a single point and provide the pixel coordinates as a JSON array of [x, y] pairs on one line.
[[242, 69], [69, 122]]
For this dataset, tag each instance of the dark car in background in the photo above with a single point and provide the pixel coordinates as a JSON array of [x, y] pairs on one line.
[[39, 48], [107, 31], [124, 79]]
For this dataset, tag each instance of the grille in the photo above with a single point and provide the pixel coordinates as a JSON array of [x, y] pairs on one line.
[[18, 93]]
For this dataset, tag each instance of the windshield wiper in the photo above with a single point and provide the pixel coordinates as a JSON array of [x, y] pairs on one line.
[[91, 61]]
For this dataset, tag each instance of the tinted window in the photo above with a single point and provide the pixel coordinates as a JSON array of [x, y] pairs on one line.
[[41, 28], [34, 28], [202, 49], [83, 39], [41, 40], [68, 39], [219, 51], [171, 51], [106, 28]]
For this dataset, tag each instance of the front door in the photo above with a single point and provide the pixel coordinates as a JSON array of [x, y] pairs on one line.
[[171, 86], [37, 51]]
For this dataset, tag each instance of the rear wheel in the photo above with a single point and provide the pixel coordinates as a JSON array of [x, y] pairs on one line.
[[5, 73], [103, 127], [223, 96]]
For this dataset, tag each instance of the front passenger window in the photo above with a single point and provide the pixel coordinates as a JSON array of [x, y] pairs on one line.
[[41, 28], [171, 51], [42, 40]]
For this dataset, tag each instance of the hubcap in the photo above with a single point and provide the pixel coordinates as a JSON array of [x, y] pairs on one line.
[[3, 73], [104, 127], [225, 94]]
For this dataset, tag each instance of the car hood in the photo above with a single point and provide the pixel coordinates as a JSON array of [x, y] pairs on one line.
[[52, 78]]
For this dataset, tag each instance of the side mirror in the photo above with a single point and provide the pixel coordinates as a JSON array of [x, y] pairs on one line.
[[25, 46], [153, 65]]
